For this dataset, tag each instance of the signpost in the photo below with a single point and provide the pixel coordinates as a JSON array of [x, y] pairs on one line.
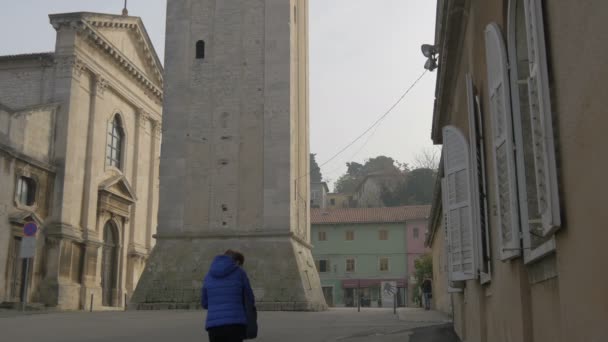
[[28, 251]]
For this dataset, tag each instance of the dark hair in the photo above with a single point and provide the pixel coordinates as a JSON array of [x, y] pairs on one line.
[[238, 257]]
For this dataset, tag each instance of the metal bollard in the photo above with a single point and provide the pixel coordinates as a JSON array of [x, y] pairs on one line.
[[125, 302], [395, 304], [91, 308]]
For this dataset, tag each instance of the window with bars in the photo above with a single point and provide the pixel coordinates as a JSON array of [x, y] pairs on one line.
[[115, 140]]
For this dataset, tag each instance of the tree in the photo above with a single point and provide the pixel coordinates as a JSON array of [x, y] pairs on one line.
[[315, 170], [416, 189], [423, 267], [427, 159]]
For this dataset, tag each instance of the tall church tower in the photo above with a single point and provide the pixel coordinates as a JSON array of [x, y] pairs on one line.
[[234, 159]]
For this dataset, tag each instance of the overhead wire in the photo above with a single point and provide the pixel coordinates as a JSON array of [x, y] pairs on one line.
[[377, 122]]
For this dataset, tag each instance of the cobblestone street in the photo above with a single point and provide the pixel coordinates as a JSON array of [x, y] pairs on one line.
[[370, 325]]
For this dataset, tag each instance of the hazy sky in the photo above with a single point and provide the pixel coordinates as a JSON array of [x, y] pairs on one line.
[[363, 55]]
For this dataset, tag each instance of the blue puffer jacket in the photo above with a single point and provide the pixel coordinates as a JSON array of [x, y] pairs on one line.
[[224, 290]]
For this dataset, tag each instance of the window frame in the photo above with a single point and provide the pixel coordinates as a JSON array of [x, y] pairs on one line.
[[416, 233], [320, 234], [388, 264], [479, 192], [327, 266], [352, 235], [354, 262], [383, 235], [31, 193], [109, 147]]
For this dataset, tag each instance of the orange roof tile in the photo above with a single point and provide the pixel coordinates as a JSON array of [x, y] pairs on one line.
[[369, 215]]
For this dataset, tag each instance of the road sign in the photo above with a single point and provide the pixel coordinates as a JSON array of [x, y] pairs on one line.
[[30, 229], [28, 247]]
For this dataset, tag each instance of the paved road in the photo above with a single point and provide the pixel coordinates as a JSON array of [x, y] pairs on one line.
[[371, 325]]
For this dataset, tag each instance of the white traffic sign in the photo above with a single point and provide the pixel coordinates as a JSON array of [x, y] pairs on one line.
[[28, 247]]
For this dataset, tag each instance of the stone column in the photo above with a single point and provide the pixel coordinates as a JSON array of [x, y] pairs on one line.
[[96, 131], [152, 199], [91, 280]]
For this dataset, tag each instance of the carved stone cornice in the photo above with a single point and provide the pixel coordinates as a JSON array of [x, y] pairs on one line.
[[143, 117], [101, 84], [109, 49], [70, 63], [156, 129]]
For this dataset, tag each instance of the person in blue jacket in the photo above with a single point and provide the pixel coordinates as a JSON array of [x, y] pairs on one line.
[[225, 290]]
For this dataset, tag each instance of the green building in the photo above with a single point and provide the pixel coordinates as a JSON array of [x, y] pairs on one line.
[[357, 250]]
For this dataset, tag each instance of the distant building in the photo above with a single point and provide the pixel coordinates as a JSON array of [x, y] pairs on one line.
[[364, 247], [339, 200], [79, 150], [369, 192], [318, 195]]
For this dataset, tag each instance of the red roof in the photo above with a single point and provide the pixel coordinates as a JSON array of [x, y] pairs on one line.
[[369, 215]]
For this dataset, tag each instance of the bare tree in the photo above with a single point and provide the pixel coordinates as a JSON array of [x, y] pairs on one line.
[[428, 158]]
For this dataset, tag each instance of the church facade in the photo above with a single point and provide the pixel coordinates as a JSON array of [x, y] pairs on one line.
[[80, 132]]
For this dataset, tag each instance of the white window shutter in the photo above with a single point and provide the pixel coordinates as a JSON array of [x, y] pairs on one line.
[[542, 122], [502, 134], [463, 253]]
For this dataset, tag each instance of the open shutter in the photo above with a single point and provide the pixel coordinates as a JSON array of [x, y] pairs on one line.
[[451, 284], [463, 255], [478, 182], [504, 157], [542, 122]]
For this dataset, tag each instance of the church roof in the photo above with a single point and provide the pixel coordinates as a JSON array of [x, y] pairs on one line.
[[105, 30], [25, 56]]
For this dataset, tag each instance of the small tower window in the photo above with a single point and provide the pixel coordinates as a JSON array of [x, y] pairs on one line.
[[200, 49]]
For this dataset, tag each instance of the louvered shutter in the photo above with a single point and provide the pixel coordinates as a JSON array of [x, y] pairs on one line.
[[478, 183], [462, 255], [504, 157], [542, 123], [451, 284]]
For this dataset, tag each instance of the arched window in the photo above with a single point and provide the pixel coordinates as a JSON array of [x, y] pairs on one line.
[[114, 147], [200, 49]]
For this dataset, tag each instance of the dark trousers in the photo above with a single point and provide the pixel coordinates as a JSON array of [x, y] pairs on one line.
[[227, 333]]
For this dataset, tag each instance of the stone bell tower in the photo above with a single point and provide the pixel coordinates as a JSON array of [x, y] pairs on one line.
[[234, 159]]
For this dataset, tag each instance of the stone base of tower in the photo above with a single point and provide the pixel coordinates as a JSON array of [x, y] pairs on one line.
[[281, 270]]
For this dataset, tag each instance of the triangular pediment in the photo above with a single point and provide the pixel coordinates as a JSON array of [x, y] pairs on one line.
[[21, 217], [125, 34], [131, 44], [120, 187]]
